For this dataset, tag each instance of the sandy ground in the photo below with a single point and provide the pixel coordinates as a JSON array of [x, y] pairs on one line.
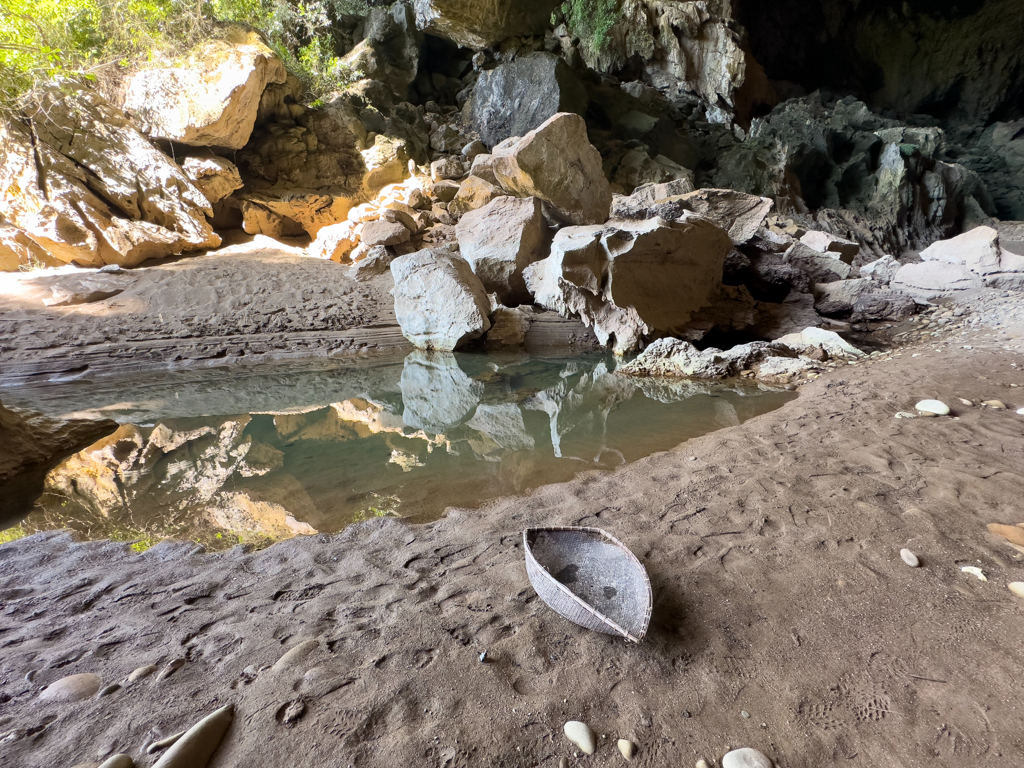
[[783, 618]]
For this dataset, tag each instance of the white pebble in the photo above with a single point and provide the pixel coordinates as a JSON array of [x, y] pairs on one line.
[[937, 407], [580, 735], [1017, 587], [909, 558], [746, 758], [627, 748], [974, 571], [1020, 411]]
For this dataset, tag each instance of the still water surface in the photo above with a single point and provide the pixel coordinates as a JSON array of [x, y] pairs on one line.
[[256, 455]]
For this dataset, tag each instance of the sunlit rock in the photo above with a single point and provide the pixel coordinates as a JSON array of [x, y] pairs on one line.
[[439, 302], [212, 98]]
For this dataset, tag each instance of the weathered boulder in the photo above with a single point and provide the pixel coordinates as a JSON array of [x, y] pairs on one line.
[[837, 298], [640, 202], [480, 25], [819, 267], [500, 240], [676, 358], [827, 243], [630, 278], [88, 188], [509, 327], [557, 163], [978, 250], [293, 212], [474, 193], [216, 177], [881, 270], [439, 303], [210, 100], [739, 214], [517, 96], [810, 339], [883, 306], [932, 279], [382, 232], [335, 241], [377, 261], [18, 251]]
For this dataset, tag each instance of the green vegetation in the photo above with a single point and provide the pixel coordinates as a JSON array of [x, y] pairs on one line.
[[43, 39], [13, 534], [591, 21]]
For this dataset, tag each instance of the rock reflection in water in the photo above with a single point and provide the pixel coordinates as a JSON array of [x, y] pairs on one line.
[[438, 430]]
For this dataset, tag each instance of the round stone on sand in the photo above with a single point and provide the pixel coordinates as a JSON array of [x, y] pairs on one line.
[[936, 407], [909, 558], [746, 758], [141, 672], [1020, 411], [72, 688], [581, 735], [1017, 587], [627, 748], [998, 405]]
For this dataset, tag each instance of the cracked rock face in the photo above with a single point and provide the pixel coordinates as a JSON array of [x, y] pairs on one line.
[[83, 184], [482, 23]]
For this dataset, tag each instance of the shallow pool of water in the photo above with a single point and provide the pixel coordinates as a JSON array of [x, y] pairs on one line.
[[261, 454]]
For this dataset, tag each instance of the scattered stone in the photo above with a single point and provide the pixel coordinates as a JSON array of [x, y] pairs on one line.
[[196, 747], [445, 190], [384, 233], [439, 302], [296, 655], [112, 688], [627, 748], [909, 558], [882, 271], [1012, 533], [581, 735], [72, 688], [141, 672], [172, 667], [447, 168], [156, 746], [965, 402], [377, 261], [746, 758], [975, 571], [483, 657], [1020, 411], [335, 241], [998, 405], [474, 193], [118, 761], [905, 415], [934, 407], [702, 764], [1017, 587]]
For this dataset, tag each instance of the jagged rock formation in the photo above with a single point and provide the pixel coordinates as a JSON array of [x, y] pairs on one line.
[[88, 188]]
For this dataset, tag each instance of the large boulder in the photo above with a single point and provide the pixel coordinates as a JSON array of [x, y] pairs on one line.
[[819, 267], [517, 96], [979, 250], [480, 24], [933, 279], [500, 240], [557, 163], [79, 180], [439, 303], [630, 278], [837, 299], [674, 358], [216, 177], [211, 99]]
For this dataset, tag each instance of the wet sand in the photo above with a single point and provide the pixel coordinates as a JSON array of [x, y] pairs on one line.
[[779, 592]]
